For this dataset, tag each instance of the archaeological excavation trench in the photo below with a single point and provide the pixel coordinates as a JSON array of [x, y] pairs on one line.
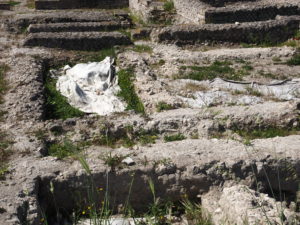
[[150, 112]]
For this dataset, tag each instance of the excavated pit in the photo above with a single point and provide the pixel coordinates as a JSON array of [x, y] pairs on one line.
[[172, 178], [225, 154]]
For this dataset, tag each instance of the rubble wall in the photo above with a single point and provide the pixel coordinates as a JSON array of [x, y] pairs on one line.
[[77, 41], [74, 4], [249, 14], [272, 31]]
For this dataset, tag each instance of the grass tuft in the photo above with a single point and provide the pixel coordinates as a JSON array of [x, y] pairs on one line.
[[294, 61], [142, 48], [127, 93], [63, 150], [175, 137], [169, 6], [162, 106]]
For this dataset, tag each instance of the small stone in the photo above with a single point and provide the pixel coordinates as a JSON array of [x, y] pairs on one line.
[[128, 161]]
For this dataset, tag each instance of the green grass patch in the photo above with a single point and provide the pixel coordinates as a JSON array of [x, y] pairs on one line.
[[175, 137], [162, 106], [169, 6], [4, 154], [3, 86], [220, 69], [127, 93], [63, 150], [13, 3], [136, 19], [294, 61], [57, 106], [142, 48], [269, 132], [3, 83]]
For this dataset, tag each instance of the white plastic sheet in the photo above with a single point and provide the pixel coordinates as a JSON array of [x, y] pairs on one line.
[[91, 87]]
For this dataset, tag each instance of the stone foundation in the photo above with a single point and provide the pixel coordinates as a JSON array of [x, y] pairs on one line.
[[273, 31]]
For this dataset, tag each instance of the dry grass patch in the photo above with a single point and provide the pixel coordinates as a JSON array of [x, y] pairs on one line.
[[195, 87]]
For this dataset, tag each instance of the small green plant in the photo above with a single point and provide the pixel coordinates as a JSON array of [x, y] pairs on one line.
[[276, 59], [146, 137], [40, 134], [169, 6], [162, 106], [3, 170], [128, 93], [63, 150], [113, 161], [136, 19], [251, 91], [294, 61], [247, 67], [194, 213], [175, 137], [142, 48]]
